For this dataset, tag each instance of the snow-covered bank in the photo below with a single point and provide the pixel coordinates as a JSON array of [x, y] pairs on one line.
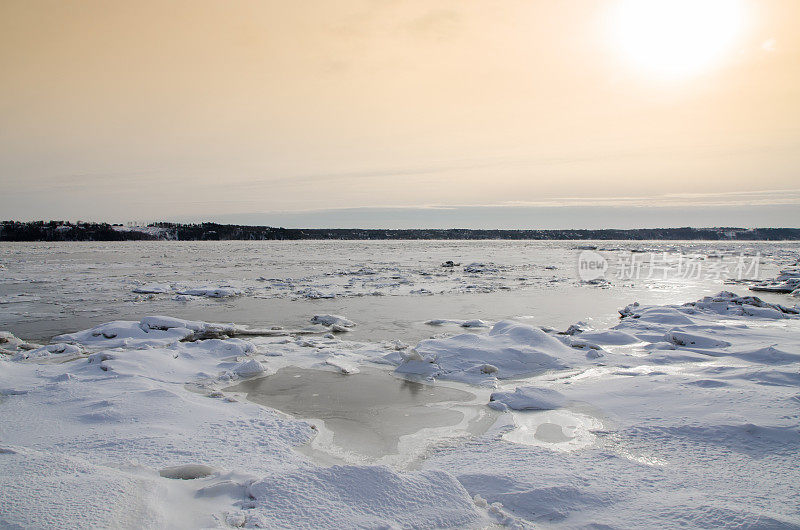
[[682, 415], [694, 425], [115, 427]]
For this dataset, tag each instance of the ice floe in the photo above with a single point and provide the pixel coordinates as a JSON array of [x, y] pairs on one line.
[[332, 320], [474, 323], [11, 345], [787, 281], [212, 292]]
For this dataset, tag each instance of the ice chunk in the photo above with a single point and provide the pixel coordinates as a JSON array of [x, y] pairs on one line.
[[474, 324], [342, 365], [212, 292], [477, 268], [11, 345], [332, 320], [527, 398], [787, 281]]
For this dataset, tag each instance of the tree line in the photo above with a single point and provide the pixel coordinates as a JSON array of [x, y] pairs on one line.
[[90, 231]]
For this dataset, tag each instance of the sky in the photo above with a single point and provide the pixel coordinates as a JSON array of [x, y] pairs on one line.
[[402, 113]]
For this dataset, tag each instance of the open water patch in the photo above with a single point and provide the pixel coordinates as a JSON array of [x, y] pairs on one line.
[[371, 416]]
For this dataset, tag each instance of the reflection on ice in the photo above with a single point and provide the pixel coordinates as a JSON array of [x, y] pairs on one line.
[[365, 416]]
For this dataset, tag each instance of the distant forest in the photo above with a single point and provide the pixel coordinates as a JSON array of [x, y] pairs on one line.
[[66, 231]]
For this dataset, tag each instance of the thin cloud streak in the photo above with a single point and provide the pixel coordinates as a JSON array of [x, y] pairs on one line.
[[729, 198]]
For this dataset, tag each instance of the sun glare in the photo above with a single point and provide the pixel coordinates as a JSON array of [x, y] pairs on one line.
[[677, 38]]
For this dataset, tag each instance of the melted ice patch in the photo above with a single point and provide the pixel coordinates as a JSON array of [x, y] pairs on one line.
[[371, 416], [559, 430]]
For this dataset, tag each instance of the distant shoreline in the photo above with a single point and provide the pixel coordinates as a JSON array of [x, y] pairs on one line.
[[66, 231]]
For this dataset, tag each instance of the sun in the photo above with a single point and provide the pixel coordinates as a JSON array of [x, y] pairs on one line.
[[677, 38]]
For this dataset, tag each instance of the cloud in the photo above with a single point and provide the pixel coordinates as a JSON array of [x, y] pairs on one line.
[[722, 198], [769, 45], [527, 217], [727, 199]]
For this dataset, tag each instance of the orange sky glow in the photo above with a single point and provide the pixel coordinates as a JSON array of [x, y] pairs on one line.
[[198, 108]]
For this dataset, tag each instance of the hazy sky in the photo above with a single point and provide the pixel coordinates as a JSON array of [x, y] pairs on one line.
[[402, 113]]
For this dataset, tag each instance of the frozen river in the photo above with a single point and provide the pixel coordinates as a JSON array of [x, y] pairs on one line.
[[389, 287], [399, 384]]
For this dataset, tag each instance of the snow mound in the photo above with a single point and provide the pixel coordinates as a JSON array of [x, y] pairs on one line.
[[151, 331], [682, 338], [610, 337], [655, 314], [50, 350], [513, 349], [723, 303], [770, 356], [360, 497], [196, 362], [248, 368], [527, 398]]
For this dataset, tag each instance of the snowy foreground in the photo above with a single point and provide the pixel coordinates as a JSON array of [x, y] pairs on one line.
[[678, 416]]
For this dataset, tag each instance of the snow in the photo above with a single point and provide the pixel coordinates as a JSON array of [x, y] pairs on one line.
[[669, 438], [150, 331], [117, 428], [361, 497], [676, 415], [142, 408], [527, 398], [608, 337], [248, 368], [50, 350], [514, 349], [187, 472]]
